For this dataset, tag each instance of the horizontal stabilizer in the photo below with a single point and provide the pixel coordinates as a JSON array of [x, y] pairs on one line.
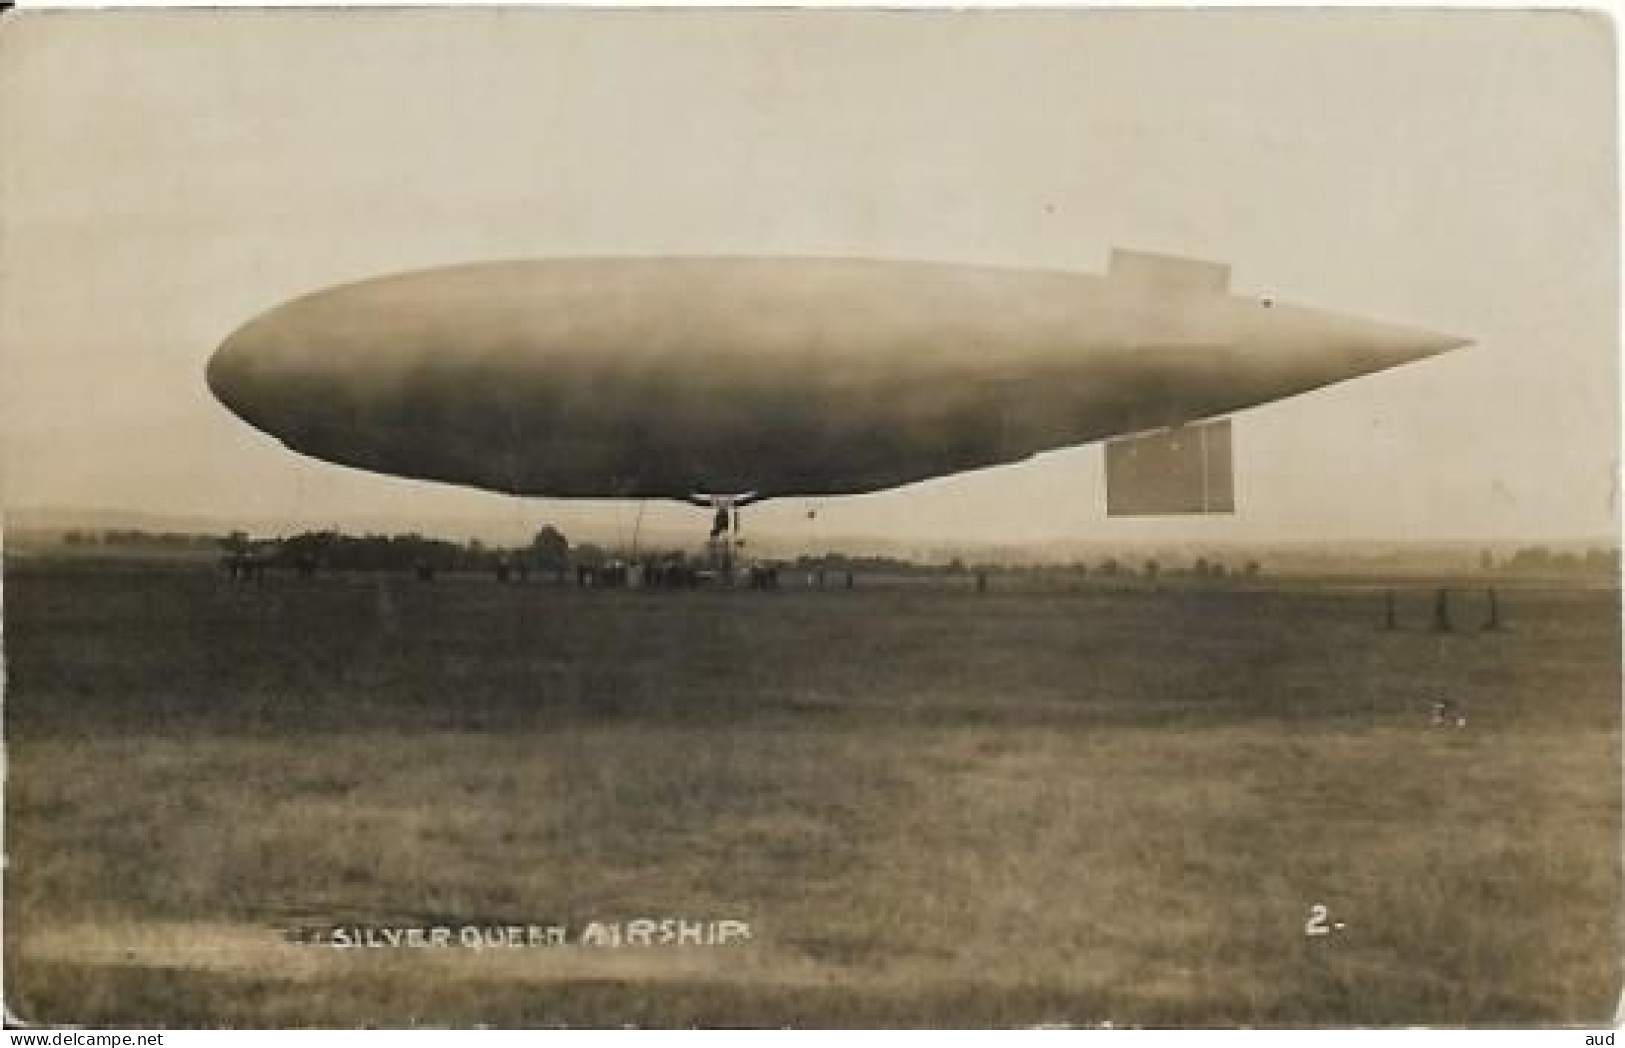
[[1183, 470], [1169, 272]]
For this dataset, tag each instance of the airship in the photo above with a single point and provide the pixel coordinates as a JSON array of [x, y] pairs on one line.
[[726, 380]]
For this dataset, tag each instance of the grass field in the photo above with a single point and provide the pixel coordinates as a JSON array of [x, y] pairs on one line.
[[932, 807]]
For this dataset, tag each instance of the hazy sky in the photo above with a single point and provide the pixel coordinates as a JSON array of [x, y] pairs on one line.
[[166, 175]]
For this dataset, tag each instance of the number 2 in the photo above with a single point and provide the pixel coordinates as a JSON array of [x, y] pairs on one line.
[[1316, 924]]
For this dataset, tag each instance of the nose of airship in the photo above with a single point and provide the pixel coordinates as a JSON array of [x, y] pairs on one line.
[[254, 374], [230, 375]]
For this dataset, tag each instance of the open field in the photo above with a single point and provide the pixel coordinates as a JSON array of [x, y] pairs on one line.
[[932, 807]]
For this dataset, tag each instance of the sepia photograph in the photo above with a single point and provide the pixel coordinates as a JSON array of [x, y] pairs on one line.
[[827, 518]]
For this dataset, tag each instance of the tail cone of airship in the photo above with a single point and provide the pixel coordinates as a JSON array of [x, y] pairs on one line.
[[1392, 346]]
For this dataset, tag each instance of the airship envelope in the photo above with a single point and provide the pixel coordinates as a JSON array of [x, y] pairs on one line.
[[679, 377]]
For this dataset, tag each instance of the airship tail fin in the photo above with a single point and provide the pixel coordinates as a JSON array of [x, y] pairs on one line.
[[1168, 272], [1183, 470]]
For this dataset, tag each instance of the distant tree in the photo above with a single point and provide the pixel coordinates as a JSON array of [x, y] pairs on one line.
[[1152, 569], [1200, 567], [1486, 560], [550, 548], [236, 542], [330, 549], [1531, 558], [1252, 569], [1109, 567]]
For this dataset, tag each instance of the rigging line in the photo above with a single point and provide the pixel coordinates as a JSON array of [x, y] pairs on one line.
[[637, 527], [291, 518]]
